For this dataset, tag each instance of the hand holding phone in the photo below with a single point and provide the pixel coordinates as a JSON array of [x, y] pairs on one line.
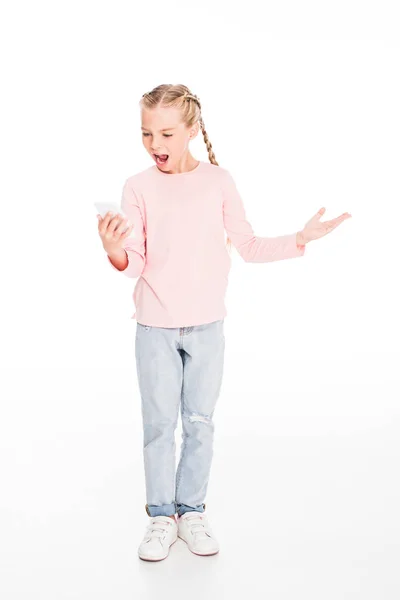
[[104, 207], [113, 229]]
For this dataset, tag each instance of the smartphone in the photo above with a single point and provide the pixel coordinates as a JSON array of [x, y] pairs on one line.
[[104, 207]]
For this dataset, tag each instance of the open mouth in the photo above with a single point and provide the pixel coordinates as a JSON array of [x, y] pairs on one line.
[[161, 159]]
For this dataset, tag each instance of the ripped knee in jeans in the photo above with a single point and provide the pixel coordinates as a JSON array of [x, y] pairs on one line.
[[201, 418]]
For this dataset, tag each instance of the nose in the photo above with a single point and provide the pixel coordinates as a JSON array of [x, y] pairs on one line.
[[154, 146]]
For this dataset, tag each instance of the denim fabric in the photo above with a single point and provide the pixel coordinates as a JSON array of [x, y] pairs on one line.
[[178, 367]]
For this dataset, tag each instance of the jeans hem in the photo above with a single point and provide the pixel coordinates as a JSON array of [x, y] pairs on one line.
[[171, 509]]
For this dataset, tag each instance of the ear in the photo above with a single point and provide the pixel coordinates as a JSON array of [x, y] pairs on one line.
[[194, 131]]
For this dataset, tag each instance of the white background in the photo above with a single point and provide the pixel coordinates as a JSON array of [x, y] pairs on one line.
[[301, 103]]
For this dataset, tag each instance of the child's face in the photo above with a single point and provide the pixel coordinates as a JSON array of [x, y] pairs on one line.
[[174, 141]]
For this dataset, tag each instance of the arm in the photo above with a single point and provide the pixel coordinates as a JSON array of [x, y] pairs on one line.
[[253, 248], [132, 257]]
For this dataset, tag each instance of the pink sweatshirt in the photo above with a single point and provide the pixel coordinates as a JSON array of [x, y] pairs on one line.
[[179, 251]]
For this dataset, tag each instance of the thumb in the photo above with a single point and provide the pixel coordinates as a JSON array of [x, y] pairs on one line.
[[319, 214]]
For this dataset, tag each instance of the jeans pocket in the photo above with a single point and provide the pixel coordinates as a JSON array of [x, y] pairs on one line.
[[145, 327]]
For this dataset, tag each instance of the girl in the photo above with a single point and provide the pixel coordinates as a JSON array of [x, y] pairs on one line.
[[178, 209]]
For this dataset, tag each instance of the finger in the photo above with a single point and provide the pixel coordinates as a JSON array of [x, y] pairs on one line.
[[118, 232], [122, 225], [114, 223], [342, 216], [319, 214], [103, 223], [108, 217], [127, 232], [335, 222], [107, 225], [315, 218]]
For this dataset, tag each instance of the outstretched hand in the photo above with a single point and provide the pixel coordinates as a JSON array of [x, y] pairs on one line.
[[314, 229]]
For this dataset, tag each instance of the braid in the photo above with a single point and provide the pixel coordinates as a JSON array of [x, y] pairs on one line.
[[210, 151], [211, 154], [191, 97]]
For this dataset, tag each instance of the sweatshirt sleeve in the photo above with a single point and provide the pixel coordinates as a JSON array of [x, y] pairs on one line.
[[253, 248], [135, 247]]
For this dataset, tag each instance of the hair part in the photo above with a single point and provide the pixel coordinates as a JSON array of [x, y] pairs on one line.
[[179, 96]]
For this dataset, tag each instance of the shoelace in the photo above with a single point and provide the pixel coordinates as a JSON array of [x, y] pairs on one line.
[[201, 527]]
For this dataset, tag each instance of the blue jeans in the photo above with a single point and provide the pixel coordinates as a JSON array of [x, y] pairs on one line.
[[178, 367]]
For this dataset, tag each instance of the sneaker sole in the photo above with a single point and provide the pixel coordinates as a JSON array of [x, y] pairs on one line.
[[198, 553], [157, 559], [208, 554]]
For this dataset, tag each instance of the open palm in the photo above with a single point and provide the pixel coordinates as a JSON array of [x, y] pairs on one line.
[[315, 229]]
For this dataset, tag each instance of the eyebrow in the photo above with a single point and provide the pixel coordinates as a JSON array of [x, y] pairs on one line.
[[167, 129]]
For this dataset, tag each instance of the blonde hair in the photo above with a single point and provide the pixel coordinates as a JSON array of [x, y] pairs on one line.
[[179, 96]]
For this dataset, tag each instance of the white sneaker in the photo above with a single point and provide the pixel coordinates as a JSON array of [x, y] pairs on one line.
[[160, 534], [194, 529]]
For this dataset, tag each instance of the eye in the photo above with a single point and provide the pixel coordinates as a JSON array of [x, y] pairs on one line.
[[164, 134]]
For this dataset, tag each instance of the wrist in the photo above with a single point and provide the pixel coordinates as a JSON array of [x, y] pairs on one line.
[[300, 241], [117, 253], [119, 259]]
